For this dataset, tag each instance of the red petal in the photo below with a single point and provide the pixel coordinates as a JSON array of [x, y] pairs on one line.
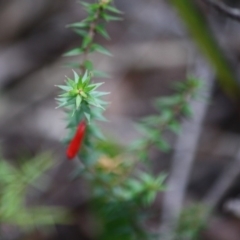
[[75, 144]]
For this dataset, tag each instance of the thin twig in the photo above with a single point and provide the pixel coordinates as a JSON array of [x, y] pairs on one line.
[[230, 12], [91, 34], [222, 185], [183, 158]]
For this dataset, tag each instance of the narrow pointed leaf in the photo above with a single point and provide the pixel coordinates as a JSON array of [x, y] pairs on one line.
[[95, 103], [111, 18], [96, 85], [113, 9], [62, 105], [101, 30], [86, 41], [99, 94], [85, 76], [73, 52], [88, 116], [78, 101], [85, 4], [65, 88], [101, 49], [64, 95], [78, 25], [80, 32], [76, 77], [70, 82]]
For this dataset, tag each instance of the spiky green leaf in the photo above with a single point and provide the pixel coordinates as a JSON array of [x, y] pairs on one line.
[[113, 9], [101, 30], [73, 52], [100, 49], [85, 77], [76, 77], [78, 101], [63, 87]]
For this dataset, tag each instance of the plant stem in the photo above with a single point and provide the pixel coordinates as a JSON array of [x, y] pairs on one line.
[[91, 35], [177, 110]]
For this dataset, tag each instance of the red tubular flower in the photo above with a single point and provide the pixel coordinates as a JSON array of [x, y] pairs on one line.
[[76, 142]]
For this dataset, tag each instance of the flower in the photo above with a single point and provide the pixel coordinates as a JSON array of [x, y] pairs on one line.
[[76, 142], [110, 165]]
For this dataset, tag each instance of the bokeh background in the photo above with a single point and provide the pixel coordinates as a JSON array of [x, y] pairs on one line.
[[152, 49]]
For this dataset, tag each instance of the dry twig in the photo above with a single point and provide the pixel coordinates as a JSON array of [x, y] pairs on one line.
[[230, 12], [222, 185]]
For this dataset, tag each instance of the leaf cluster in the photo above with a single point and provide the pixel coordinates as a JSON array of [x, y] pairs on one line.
[[98, 14], [80, 96], [120, 191], [14, 183], [78, 90], [120, 207], [171, 110]]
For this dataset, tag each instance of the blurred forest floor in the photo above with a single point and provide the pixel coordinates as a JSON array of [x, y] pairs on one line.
[[151, 51]]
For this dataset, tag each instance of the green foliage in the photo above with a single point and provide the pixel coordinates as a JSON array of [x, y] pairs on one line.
[[81, 90], [120, 191], [98, 14], [14, 183], [119, 202], [119, 220], [192, 220], [80, 97], [170, 111]]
